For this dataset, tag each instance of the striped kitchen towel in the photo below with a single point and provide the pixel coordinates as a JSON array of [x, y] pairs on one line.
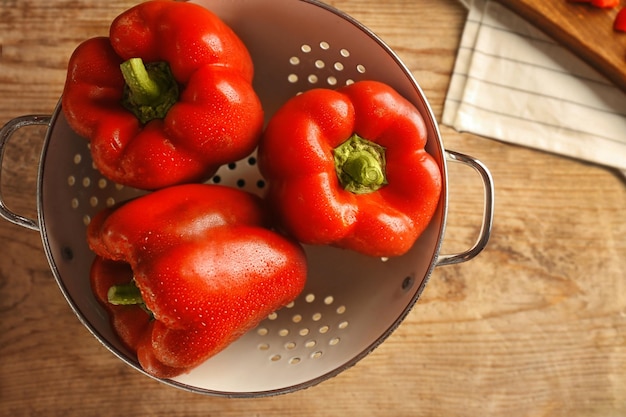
[[513, 83]]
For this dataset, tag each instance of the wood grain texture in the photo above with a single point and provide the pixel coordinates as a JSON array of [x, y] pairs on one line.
[[534, 326], [585, 30]]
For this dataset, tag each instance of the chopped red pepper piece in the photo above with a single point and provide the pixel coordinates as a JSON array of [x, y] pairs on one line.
[[348, 168], [620, 21], [186, 270], [598, 3], [166, 99], [607, 4]]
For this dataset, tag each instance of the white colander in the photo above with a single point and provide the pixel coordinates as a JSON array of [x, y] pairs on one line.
[[351, 302]]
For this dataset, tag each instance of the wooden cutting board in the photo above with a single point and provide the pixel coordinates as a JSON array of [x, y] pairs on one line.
[[584, 29]]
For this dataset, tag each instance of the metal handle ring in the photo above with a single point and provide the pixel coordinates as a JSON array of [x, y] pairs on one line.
[[489, 204], [5, 134]]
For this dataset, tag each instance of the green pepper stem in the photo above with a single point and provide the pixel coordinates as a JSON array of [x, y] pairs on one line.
[[125, 294], [360, 165], [144, 89], [151, 89]]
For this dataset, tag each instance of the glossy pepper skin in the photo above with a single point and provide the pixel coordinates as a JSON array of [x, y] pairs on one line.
[[165, 99], [186, 270], [374, 193]]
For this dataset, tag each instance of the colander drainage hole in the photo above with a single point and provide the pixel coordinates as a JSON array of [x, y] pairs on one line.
[[95, 184], [67, 253], [407, 283], [303, 335], [240, 183], [319, 67]]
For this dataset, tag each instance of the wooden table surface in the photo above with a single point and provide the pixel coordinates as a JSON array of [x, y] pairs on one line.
[[534, 326]]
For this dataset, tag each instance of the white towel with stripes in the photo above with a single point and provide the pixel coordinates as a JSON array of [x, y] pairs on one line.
[[513, 83]]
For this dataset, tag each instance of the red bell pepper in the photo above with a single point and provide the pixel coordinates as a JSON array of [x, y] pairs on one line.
[[348, 168], [186, 270], [166, 99]]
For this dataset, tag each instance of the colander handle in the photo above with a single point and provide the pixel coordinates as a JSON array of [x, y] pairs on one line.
[[5, 134], [489, 204]]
